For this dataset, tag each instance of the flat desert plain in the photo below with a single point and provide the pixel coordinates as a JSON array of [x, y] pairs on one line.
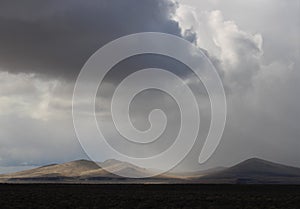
[[89, 196]]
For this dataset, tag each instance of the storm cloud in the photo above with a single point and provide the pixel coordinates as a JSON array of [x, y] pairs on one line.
[[253, 44], [56, 38]]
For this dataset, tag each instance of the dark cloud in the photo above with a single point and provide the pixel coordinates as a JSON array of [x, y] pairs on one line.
[[56, 37], [259, 67]]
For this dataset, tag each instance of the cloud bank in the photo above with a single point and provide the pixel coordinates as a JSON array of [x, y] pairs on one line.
[[44, 45]]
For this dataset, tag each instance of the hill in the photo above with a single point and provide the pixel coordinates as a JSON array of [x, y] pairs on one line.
[[251, 171], [255, 171], [84, 171]]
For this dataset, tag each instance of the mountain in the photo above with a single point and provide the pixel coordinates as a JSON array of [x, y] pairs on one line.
[[255, 171], [84, 171], [70, 169], [252, 171]]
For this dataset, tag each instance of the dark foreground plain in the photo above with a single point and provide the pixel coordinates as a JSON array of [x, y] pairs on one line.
[[84, 196]]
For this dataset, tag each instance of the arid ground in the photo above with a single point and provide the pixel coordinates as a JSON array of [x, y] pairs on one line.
[[85, 196]]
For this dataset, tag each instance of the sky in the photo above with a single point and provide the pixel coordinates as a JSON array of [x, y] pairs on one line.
[[253, 44]]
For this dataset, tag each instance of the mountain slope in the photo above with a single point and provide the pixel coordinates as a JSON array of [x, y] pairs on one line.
[[256, 171], [252, 171], [80, 170], [70, 169]]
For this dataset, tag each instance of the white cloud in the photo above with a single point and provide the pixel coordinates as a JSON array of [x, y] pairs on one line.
[[259, 62], [35, 121], [26, 95]]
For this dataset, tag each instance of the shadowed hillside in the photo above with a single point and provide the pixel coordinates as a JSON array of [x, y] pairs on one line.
[[252, 171], [256, 171]]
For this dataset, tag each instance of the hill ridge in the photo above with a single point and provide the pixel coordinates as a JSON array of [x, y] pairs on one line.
[[253, 170]]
